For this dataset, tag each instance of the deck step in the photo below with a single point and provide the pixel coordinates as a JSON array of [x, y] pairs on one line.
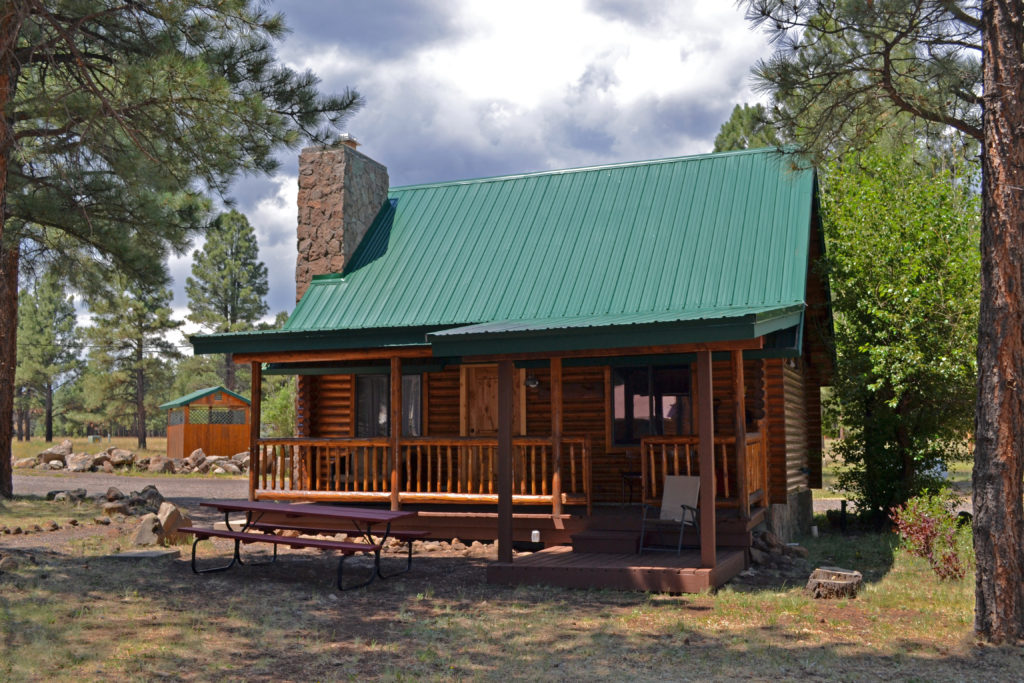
[[605, 541]]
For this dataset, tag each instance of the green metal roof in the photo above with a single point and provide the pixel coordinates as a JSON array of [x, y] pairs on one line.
[[682, 241], [198, 394]]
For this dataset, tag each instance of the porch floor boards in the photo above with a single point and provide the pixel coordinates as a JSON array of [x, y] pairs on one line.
[[656, 571]]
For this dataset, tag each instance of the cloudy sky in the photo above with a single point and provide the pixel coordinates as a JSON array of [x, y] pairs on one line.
[[469, 88]]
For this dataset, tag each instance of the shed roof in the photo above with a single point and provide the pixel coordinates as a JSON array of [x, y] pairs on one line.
[[684, 241], [198, 394]]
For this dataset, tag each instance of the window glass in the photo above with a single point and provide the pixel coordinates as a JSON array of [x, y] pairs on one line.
[[373, 396], [411, 406], [637, 411]]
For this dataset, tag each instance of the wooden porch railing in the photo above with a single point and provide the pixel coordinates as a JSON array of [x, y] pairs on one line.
[[677, 455], [430, 469]]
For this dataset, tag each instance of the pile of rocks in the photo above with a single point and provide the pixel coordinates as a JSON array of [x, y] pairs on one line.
[[159, 518], [200, 462], [774, 562], [62, 457]]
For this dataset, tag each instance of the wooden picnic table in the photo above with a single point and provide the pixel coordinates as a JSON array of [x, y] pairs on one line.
[[269, 517]]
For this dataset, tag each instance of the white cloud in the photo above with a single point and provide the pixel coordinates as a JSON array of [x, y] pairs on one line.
[[473, 88]]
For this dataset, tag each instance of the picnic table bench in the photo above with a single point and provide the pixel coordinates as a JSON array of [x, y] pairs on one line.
[[269, 517], [406, 536], [346, 548]]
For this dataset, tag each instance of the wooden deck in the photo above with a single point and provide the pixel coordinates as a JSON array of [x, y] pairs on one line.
[[656, 571]]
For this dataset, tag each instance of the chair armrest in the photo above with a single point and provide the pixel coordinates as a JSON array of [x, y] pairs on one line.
[[694, 514]]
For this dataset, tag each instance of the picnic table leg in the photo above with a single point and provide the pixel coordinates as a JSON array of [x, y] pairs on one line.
[[341, 570], [234, 559]]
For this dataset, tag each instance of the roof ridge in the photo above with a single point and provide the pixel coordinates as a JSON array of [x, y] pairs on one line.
[[583, 169]]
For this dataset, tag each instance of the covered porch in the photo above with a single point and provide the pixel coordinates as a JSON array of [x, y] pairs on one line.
[[507, 485]]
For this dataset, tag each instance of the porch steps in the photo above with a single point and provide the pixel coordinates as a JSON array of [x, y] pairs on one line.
[[605, 541]]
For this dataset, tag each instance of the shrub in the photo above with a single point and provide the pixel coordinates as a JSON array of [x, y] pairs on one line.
[[928, 528]]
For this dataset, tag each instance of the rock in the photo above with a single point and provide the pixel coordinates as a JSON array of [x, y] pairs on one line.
[[794, 550], [99, 459], [834, 582], [62, 497], [196, 458], [142, 463], [25, 463], [230, 467], [56, 452], [241, 459], [149, 531], [36, 528], [108, 466], [758, 556], [50, 495], [8, 563], [171, 517], [102, 520], [114, 493], [152, 497], [16, 530], [115, 508], [218, 470], [162, 465], [78, 495], [119, 457], [72, 522], [80, 462], [55, 465]]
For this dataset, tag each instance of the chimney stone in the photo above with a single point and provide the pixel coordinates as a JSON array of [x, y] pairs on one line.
[[341, 191]]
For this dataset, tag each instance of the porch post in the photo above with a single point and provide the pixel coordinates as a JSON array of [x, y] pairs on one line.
[[506, 373], [556, 436], [739, 390], [256, 396], [706, 449], [396, 428]]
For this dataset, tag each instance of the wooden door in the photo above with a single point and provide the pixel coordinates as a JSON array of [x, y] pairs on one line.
[[479, 413]]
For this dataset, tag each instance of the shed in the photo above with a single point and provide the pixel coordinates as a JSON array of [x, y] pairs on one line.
[[214, 419]]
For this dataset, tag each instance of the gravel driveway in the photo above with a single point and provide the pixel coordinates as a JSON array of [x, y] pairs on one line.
[[185, 492]]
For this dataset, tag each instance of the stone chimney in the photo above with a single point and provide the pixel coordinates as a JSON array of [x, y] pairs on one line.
[[340, 192]]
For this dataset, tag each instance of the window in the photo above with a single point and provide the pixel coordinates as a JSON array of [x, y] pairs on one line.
[[373, 396], [650, 401]]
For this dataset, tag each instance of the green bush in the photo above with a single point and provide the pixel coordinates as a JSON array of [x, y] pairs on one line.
[[928, 528]]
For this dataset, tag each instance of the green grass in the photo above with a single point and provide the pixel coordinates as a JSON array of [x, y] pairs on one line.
[[27, 511], [75, 615]]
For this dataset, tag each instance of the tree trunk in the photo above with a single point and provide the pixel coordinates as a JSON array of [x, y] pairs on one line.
[[140, 397], [48, 406], [8, 360], [11, 16], [229, 372], [998, 513]]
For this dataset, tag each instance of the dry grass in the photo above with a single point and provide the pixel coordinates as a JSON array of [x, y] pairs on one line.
[[75, 615]]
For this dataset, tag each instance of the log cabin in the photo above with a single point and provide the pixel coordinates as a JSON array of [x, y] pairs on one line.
[[530, 355]]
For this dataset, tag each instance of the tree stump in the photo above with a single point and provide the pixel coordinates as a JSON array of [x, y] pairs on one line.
[[834, 582]]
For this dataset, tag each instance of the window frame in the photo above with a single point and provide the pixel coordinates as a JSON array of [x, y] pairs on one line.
[[412, 405], [656, 392]]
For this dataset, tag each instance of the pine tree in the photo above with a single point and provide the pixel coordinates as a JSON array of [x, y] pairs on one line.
[[128, 344], [116, 118], [748, 127], [228, 284], [846, 71], [48, 344]]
